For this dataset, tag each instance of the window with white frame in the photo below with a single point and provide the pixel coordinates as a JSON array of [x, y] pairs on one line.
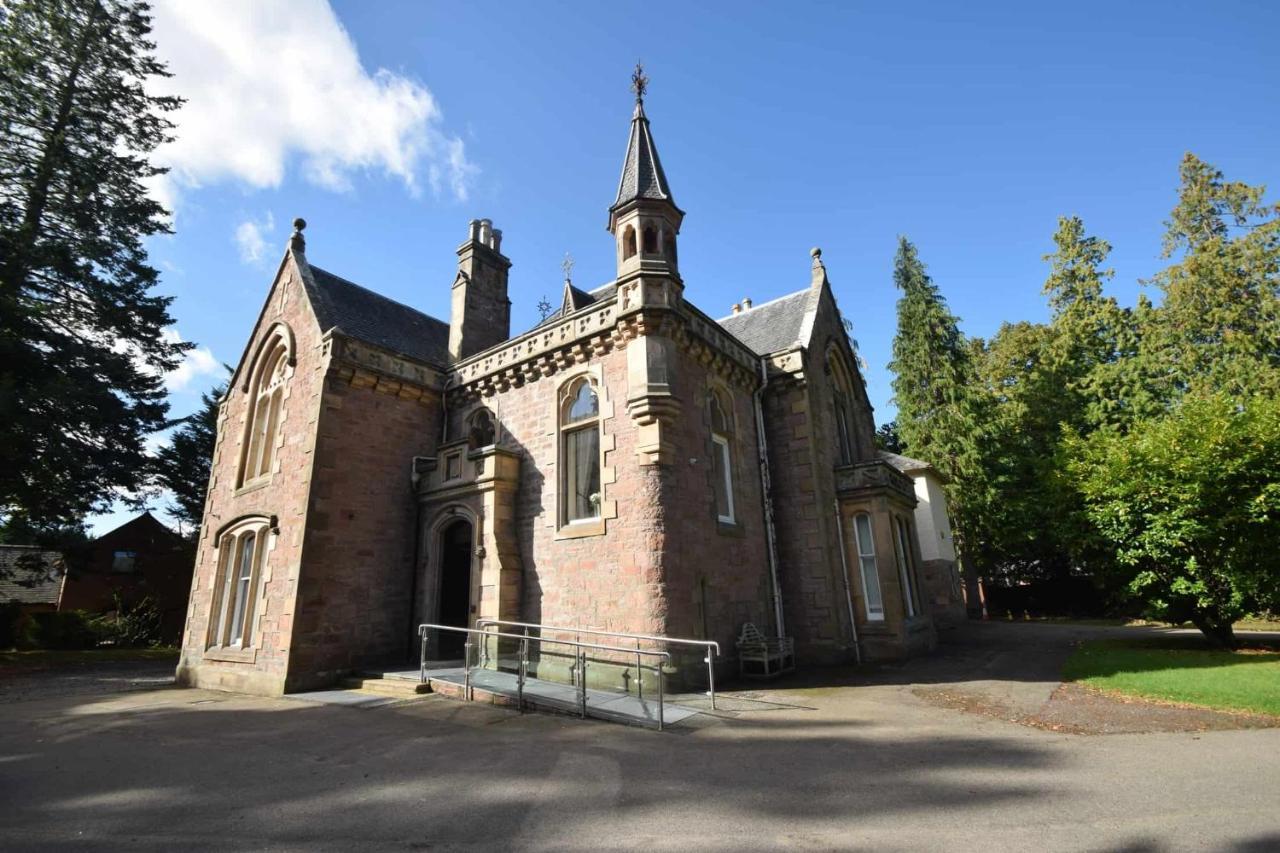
[[266, 399], [241, 551], [722, 456], [867, 566], [579, 452], [906, 566]]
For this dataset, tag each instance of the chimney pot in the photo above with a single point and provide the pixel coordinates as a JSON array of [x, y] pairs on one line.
[[746, 303], [737, 309], [497, 240], [473, 232], [486, 232]]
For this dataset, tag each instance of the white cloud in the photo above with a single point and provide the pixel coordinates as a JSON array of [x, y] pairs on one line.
[[268, 81], [250, 239], [196, 364]]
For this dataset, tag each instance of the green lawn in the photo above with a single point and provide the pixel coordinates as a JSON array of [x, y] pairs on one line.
[[1181, 669]]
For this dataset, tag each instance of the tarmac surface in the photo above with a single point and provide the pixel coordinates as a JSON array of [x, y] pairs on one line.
[[831, 760]]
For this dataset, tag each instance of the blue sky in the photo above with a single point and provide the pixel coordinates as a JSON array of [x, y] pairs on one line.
[[967, 127]]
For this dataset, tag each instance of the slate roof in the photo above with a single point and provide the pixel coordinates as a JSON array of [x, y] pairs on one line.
[[642, 175], [30, 575], [770, 326], [375, 319], [906, 464]]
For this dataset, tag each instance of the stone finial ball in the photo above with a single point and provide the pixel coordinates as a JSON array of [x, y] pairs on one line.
[[816, 252], [299, 223]]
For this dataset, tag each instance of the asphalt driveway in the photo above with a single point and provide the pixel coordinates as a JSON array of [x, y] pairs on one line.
[[834, 760]]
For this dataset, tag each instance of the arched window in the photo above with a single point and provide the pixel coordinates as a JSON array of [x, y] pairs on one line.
[[906, 566], [867, 566], [579, 452], [240, 554], [669, 246], [628, 242], [721, 455], [842, 395], [482, 431], [650, 240], [266, 398]]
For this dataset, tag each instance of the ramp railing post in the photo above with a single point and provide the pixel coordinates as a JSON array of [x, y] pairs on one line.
[[466, 669], [639, 674], [711, 679], [582, 683], [660, 694], [524, 668], [422, 659]]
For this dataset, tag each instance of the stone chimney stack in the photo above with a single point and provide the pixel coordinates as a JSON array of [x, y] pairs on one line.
[[481, 312]]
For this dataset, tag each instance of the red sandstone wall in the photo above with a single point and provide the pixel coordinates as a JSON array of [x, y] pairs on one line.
[[357, 571], [284, 496]]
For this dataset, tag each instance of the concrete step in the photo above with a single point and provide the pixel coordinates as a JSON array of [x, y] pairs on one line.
[[387, 686]]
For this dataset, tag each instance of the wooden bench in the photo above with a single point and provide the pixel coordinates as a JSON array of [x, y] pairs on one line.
[[764, 657]]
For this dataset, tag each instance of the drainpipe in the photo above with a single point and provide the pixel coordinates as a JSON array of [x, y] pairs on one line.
[[414, 477], [762, 447], [848, 591]]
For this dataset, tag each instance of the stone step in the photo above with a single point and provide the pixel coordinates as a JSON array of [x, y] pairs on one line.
[[387, 686]]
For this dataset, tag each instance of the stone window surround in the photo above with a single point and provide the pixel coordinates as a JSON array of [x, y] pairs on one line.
[[597, 526], [841, 408], [717, 395], [866, 551], [908, 575], [227, 546], [277, 343]]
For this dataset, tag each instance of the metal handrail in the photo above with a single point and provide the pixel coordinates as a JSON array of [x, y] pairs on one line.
[[580, 663], [709, 645]]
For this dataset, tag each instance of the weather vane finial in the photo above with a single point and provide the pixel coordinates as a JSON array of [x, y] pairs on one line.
[[567, 266], [639, 82]]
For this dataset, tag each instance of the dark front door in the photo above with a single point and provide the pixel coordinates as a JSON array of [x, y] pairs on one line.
[[455, 586]]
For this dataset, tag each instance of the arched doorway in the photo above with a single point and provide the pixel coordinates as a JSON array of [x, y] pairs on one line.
[[456, 548]]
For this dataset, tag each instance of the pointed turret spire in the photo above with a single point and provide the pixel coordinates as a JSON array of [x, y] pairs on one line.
[[642, 175]]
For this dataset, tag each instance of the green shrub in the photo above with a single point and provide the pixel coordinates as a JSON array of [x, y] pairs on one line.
[[71, 629], [131, 625]]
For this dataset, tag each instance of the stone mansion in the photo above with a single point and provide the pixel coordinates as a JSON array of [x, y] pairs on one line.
[[630, 463]]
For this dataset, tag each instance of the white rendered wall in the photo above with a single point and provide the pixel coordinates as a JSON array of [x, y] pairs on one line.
[[932, 520]]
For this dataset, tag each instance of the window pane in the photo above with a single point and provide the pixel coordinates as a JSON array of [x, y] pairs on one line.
[[240, 594], [583, 405], [582, 473], [903, 553], [722, 479], [867, 566]]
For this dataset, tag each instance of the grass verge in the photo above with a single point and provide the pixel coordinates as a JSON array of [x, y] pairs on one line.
[[1181, 669]]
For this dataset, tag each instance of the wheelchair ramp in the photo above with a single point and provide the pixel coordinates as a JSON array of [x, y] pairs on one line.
[[502, 688]]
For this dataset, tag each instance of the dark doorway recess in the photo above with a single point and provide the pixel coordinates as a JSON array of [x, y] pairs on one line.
[[455, 585]]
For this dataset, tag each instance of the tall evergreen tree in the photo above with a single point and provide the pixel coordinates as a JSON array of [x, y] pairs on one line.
[[1219, 324], [938, 420], [81, 346], [183, 465]]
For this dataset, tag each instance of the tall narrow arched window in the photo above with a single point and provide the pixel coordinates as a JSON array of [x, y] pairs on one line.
[[906, 566], [867, 566], [721, 456], [266, 401], [241, 550], [842, 409], [580, 496], [650, 240], [628, 242]]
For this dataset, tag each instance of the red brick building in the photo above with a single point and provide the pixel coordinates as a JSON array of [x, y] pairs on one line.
[[630, 463]]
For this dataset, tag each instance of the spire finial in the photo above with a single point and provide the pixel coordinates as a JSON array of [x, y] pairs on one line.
[[639, 82], [567, 266], [296, 241]]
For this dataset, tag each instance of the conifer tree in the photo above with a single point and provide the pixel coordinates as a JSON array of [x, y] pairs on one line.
[[937, 412], [1219, 324], [183, 465], [81, 347]]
